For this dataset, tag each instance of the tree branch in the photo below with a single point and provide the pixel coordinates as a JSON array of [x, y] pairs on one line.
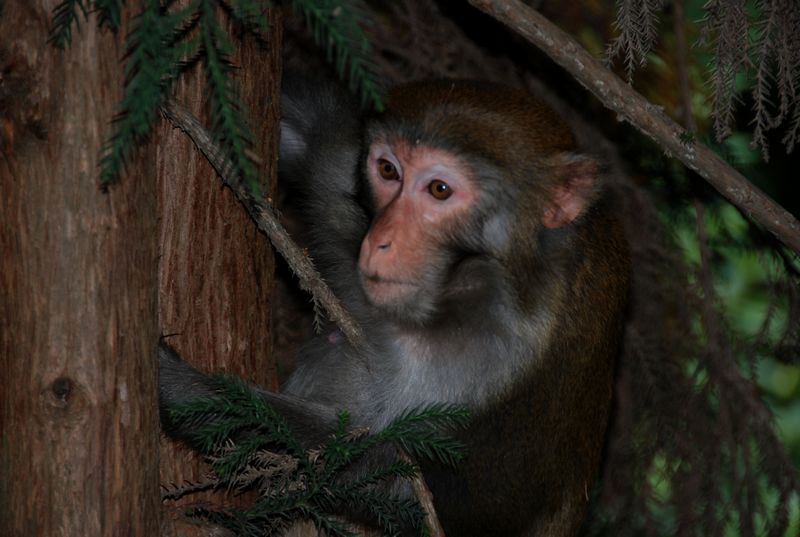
[[261, 211], [645, 116], [425, 499]]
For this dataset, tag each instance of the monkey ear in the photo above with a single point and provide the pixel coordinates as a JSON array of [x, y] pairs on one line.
[[574, 192]]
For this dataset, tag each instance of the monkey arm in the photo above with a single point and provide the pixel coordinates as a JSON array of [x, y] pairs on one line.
[[180, 383], [321, 137], [312, 425]]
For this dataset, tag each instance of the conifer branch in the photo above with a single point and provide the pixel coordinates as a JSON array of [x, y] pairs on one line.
[[261, 211], [336, 27], [227, 122], [65, 14], [176, 492], [725, 30], [253, 448], [250, 14], [161, 42], [777, 59], [149, 72], [418, 432], [647, 118], [109, 13], [636, 23]]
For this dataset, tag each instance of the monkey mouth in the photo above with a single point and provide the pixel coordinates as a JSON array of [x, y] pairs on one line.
[[376, 279], [382, 290]]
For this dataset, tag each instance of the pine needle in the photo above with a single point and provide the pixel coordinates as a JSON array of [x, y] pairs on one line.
[[163, 41], [64, 15], [337, 27], [109, 13], [227, 120], [150, 70], [251, 446]]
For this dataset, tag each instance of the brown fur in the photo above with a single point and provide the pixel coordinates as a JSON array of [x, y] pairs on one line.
[[534, 450], [517, 300]]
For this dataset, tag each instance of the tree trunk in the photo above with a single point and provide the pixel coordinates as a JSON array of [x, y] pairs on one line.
[[78, 420], [216, 271]]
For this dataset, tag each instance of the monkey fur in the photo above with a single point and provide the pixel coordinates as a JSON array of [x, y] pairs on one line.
[[485, 263]]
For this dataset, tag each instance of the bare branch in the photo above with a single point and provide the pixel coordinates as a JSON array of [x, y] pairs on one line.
[[261, 211], [425, 499], [646, 117]]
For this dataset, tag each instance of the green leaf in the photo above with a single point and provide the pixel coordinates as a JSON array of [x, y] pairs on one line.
[[228, 123], [149, 71], [337, 27], [250, 14], [421, 432], [398, 469], [109, 13], [237, 422], [236, 408], [64, 15]]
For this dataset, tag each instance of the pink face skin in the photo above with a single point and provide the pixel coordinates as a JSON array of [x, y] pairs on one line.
[[418, 192]]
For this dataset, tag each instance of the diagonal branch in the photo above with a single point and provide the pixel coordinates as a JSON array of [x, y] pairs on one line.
[[260, 210], [645, 116]]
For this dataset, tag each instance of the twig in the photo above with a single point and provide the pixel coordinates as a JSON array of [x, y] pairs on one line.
[[645, 116], [682, 62], [176, 492], [425, 498], [721, 366], [261, 211]]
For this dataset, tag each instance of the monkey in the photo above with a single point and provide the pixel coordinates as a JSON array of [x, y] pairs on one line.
[[476, 246]]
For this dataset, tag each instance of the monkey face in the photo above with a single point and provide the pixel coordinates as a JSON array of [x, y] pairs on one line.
[[421, 196]]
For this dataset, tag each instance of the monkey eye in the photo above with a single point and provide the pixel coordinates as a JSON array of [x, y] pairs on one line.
[[387, 170], [439, 189]]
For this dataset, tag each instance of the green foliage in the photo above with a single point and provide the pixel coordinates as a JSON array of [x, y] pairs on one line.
[[239, 408], [417, 433], [163, 40], [337, 27], [751, 287], [251, 446], [109, 13], [153, 53], [64, 15], [249, 13], [636, 24], [227, 121]]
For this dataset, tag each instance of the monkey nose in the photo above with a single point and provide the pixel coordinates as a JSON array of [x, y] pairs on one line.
[[375, 253], [375, 244]]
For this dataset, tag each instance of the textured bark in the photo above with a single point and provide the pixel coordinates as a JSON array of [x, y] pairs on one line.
[[78, 420], [266, 218], [216, 271]]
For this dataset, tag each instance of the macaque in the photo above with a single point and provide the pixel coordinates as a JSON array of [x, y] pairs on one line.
[[479, 252]]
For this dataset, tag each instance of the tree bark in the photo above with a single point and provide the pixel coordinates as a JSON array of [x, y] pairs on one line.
[[78, 420], [216, 270]]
